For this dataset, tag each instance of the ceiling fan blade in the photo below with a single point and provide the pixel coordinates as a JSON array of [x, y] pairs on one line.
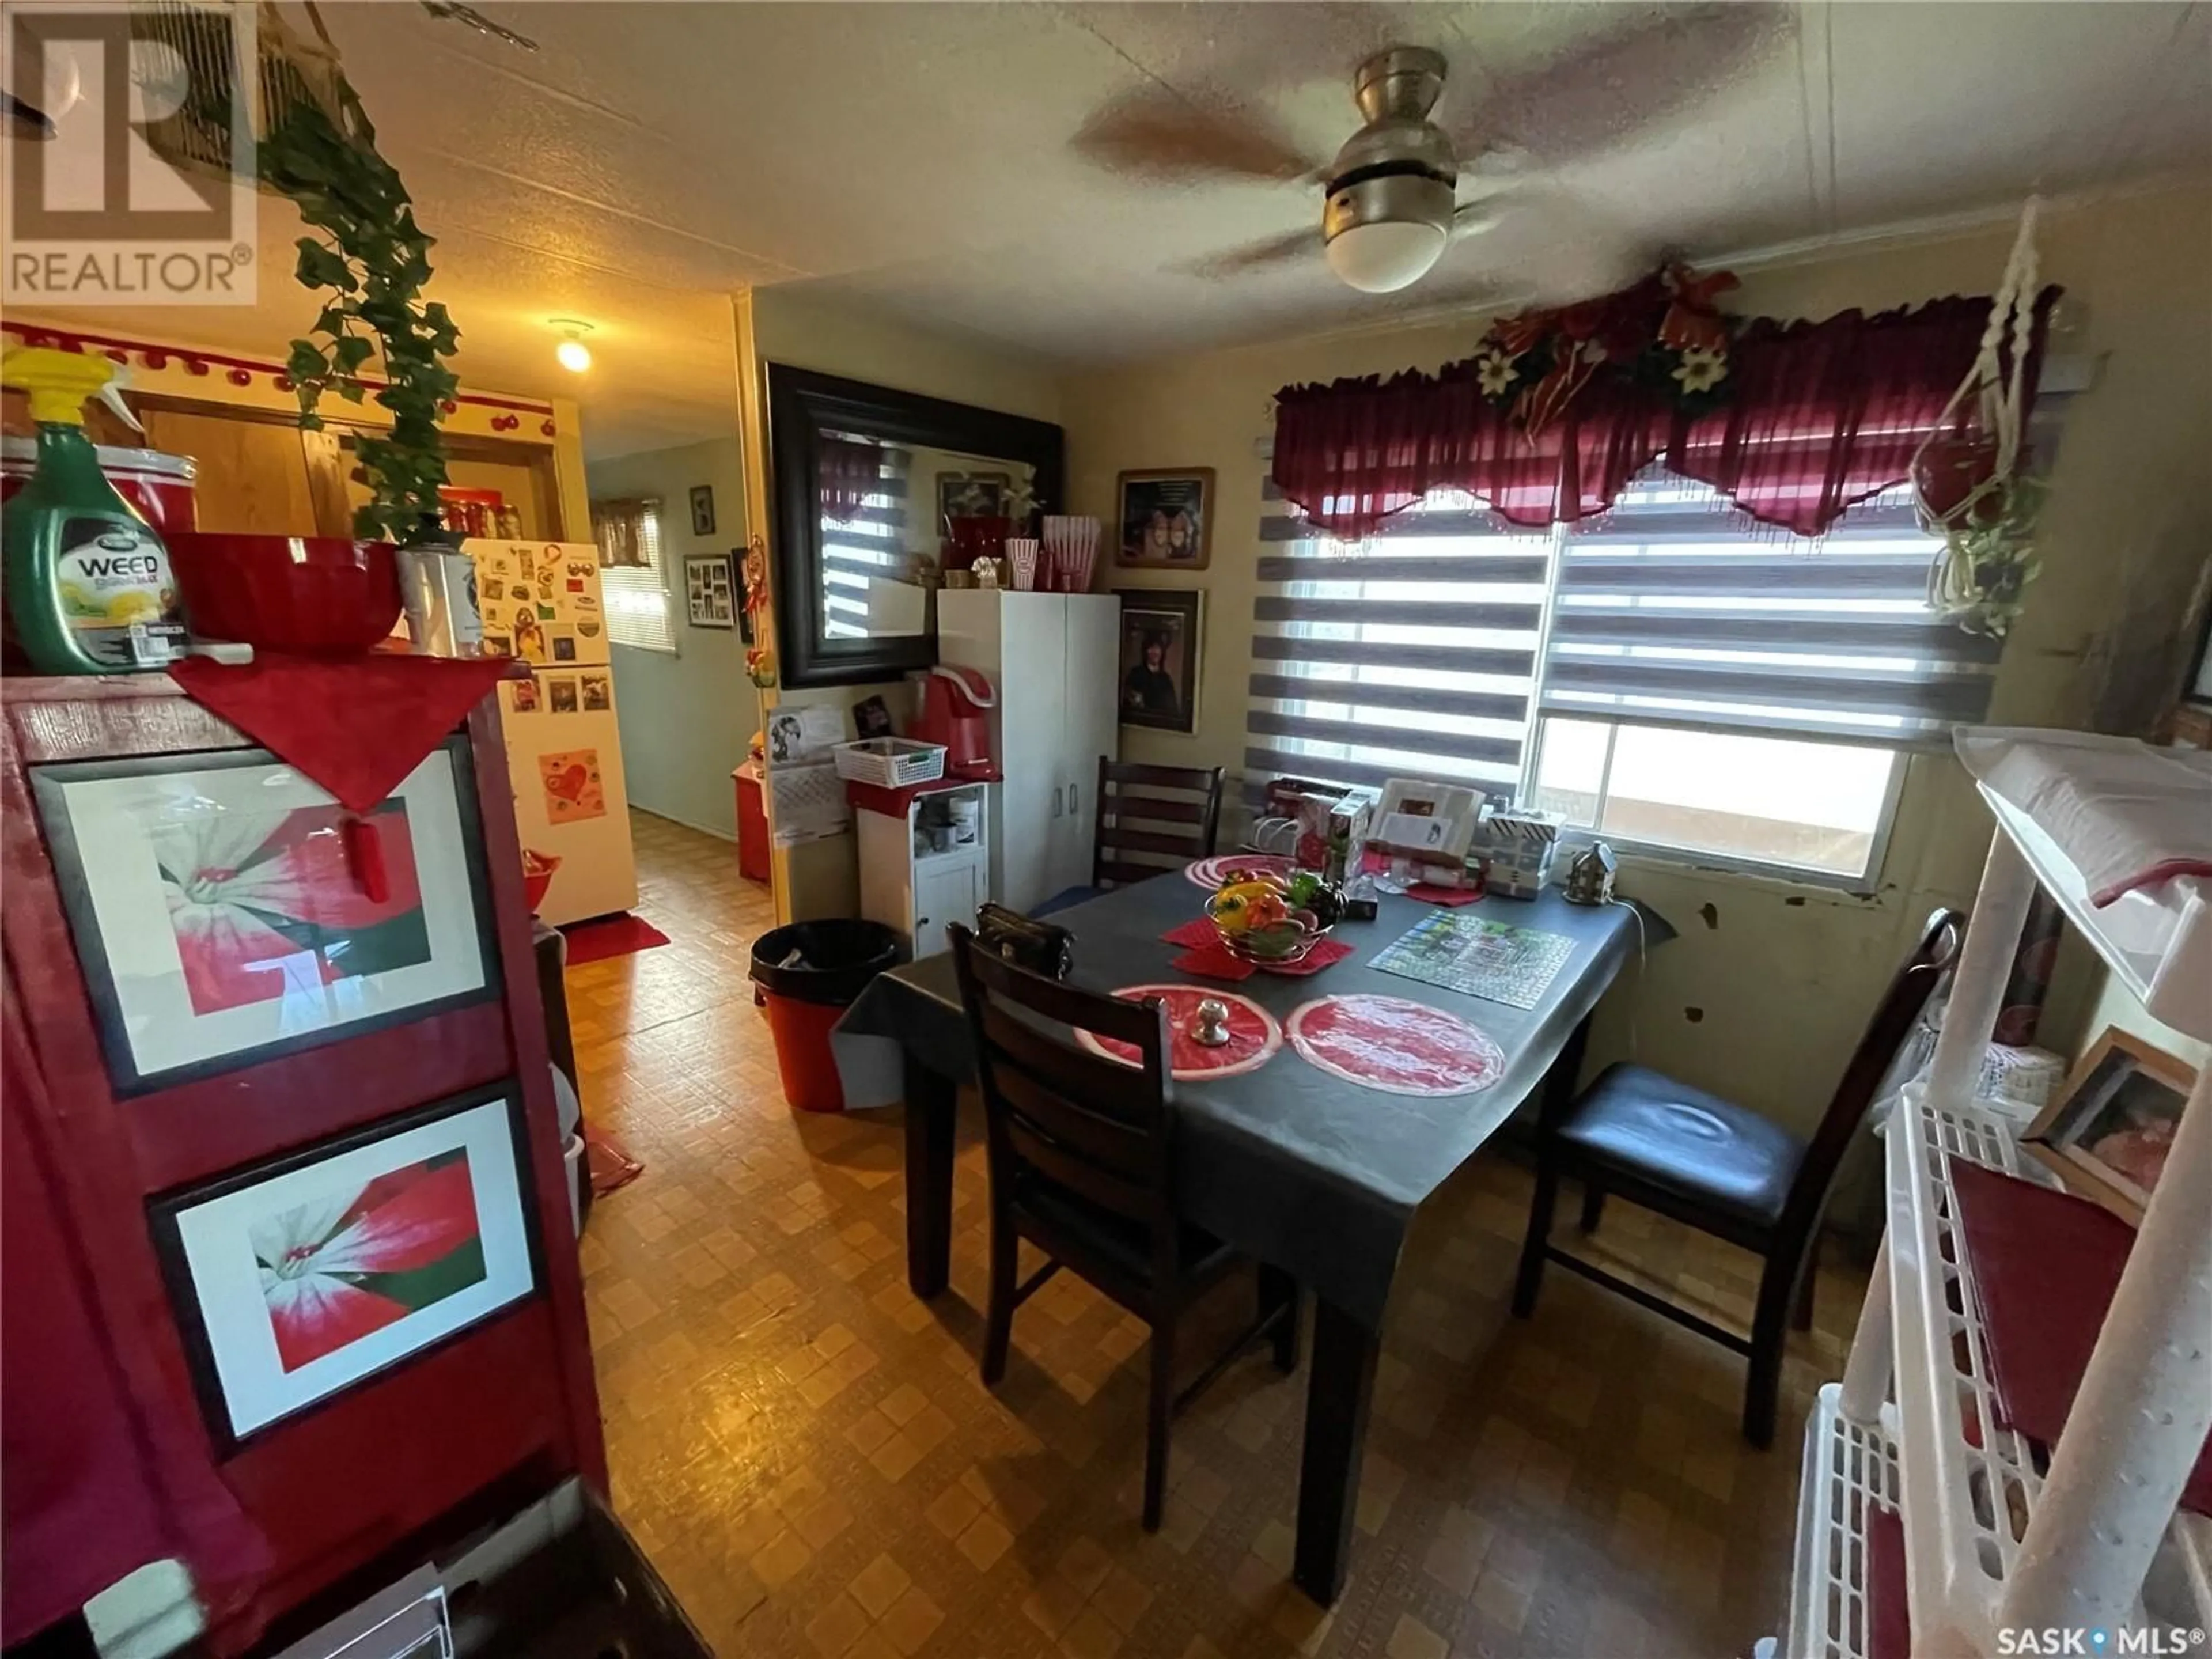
[[24, 120], [1286, 249], [1627, 79], [455, 12], [1155, 134]]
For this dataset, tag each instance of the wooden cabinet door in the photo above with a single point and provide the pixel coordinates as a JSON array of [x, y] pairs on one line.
[[253, 475]]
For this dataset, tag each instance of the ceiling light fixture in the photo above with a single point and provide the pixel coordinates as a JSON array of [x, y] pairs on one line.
[[573, 354]]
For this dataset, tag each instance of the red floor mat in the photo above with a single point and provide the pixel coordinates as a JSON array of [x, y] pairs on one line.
[[610, 936]]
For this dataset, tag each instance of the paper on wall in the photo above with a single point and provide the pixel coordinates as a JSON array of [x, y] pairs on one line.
[[804, 736], [807, 803]]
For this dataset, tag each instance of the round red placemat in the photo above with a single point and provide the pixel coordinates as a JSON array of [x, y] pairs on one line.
[[1390, 1044], [1210, 873], [1253, 1036]]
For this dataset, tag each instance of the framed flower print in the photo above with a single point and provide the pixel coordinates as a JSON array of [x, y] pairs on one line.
[[298, 1278], [226, 909]]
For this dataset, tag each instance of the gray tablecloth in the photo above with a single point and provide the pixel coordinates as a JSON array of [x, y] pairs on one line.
[[1288, 1163]]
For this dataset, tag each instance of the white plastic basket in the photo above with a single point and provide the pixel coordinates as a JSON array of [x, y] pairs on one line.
[[891, 762]]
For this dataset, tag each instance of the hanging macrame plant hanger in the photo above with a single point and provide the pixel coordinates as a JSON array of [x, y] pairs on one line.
[[1971, 489]]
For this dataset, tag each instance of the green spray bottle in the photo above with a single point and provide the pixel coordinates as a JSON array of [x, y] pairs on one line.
[[87, 587]]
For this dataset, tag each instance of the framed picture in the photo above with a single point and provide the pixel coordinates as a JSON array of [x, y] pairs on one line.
[[1160, 640], [227, 910], [1166, 520], [709, 599], [981, 495], [295, 1279], [702, 509], [2108, 1129]]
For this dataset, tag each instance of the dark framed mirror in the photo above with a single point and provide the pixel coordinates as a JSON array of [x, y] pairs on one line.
[[871, 485]]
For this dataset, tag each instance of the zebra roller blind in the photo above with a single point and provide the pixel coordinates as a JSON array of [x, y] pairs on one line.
[[866, 546], [1432, 648], [1412, 652], [1667, 610]]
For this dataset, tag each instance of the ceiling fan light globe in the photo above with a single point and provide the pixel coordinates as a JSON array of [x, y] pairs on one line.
[[573, 354], [1385, 256], [1385, 233]]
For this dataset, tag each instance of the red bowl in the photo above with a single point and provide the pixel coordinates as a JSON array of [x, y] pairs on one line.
[[318, 596]]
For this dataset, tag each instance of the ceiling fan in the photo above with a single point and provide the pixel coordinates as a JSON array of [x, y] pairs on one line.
[[1403, 187]]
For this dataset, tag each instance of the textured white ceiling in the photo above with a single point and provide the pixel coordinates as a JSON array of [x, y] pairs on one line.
[[930, 158]]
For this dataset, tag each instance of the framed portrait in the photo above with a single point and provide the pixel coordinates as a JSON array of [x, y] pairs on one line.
[[979, 495], [1161, 637], [2107, 1131], [702, 509], [298, 1278], [1166, 520], [709, 600], [227, 910]]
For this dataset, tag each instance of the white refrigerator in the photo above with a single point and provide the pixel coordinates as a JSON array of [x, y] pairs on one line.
[[540, 601]]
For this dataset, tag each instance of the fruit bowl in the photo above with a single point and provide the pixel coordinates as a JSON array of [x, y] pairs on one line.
[[315, 595], [1273, 920]]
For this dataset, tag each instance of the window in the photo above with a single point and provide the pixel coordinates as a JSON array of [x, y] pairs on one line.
[[1667, 675], [632, 582]]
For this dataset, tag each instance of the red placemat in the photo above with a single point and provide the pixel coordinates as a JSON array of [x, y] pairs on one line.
[[1321, 956], [2045, 1265], [1210, 873], [357, 726], [1450, 898], [1253, 1036], [1391, 1043], [1197, 934], [1211, 961]]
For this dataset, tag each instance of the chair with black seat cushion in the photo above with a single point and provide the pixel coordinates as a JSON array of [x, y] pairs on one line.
[[1083, 1166], [1727, 1171], [1148, 819]]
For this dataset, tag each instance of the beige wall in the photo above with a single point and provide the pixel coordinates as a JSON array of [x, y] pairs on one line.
[[1763, 1002], [822, 878], [685, 717]]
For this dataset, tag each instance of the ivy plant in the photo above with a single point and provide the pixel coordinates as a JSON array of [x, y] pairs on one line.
[[372, 262]]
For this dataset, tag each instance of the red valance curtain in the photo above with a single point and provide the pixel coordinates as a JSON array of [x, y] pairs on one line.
[[851, 472], [1817, 417]]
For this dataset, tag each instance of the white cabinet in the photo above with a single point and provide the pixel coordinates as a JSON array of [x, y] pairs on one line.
[[908, 881], [1052, 658]]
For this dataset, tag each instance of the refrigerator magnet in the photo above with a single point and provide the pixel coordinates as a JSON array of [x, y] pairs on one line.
[[525, 696], [575, 584], [573, 789], [590, 630], [561, 693], [490, 587], [546, 612], [598, 694], [564, 647]]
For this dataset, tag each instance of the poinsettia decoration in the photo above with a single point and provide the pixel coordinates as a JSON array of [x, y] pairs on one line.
[[1664, 333]]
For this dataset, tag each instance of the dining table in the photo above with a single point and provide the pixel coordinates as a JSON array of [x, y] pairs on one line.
[[1292, 1165]]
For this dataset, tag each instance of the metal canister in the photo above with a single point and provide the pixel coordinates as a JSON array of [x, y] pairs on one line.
[[438, 588]]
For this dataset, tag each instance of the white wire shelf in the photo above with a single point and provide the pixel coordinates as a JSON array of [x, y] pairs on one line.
[[2157, 942], [1851, 1470], [1970, 1486]]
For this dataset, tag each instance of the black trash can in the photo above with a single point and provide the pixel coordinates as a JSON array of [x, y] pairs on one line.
[[809, 974]]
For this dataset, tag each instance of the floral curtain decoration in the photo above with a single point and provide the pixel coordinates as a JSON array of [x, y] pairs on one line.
[[1664, 334], [1793, 421]]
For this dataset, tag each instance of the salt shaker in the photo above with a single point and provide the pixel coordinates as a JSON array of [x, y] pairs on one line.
[[1212, 1030]]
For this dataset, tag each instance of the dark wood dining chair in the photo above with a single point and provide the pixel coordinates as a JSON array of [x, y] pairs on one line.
[[1715, 1166], [1172, 813], [1082, 1160]]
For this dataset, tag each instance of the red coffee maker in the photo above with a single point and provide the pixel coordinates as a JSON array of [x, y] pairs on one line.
[[956, 705]]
